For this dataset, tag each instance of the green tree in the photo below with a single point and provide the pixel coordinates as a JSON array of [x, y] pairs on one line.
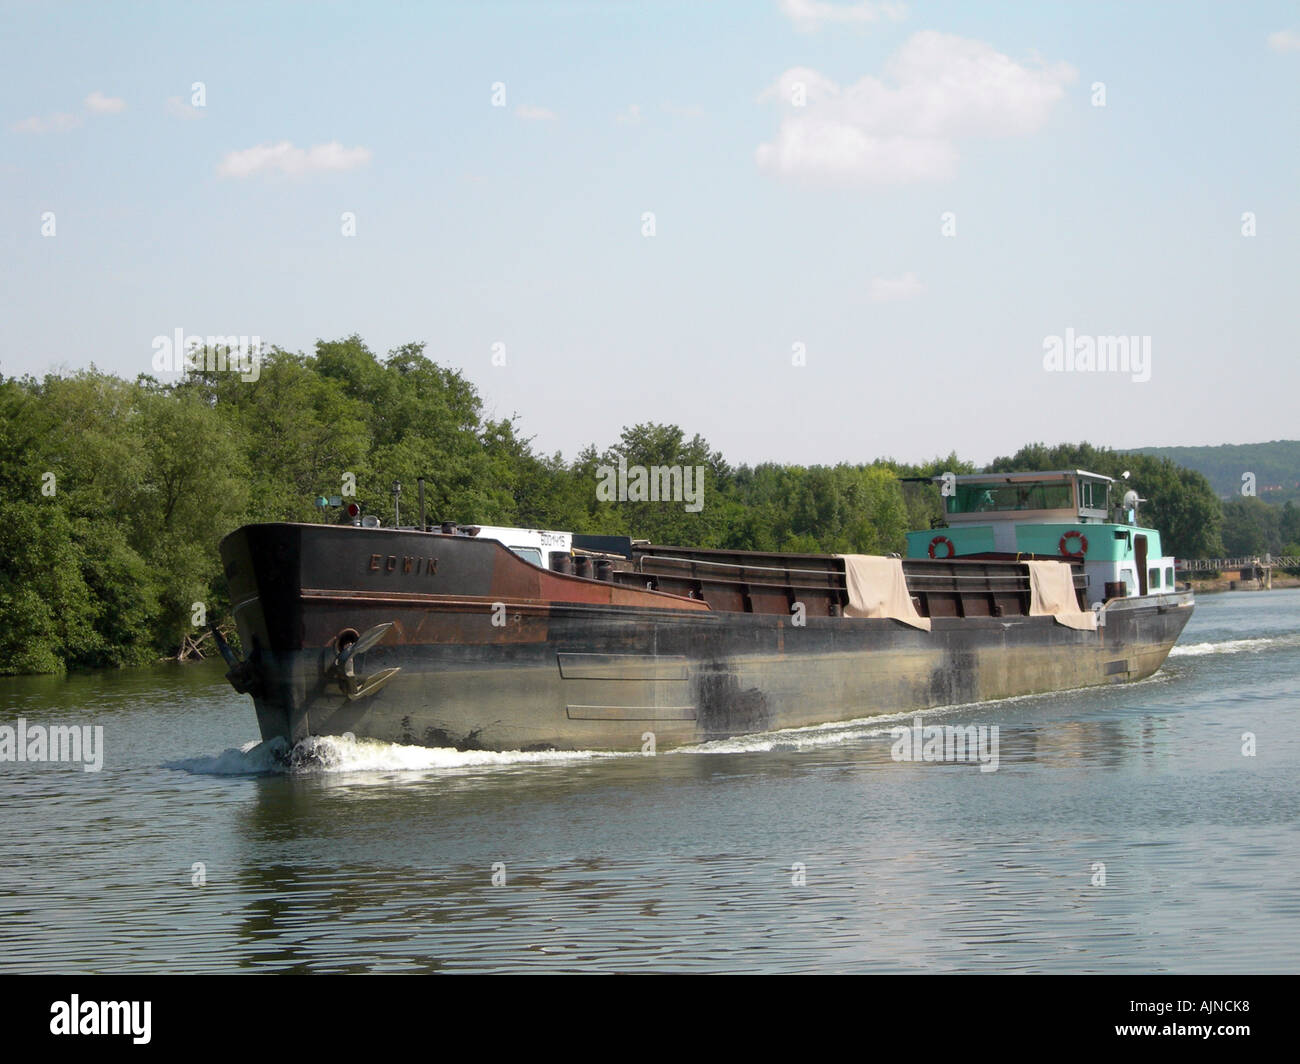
[[299, 432], [1251, 526], [667, 520]]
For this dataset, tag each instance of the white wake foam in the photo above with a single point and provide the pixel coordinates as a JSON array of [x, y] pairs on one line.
[[252, 759], [339, 754], [1228, 646], [817, 735]]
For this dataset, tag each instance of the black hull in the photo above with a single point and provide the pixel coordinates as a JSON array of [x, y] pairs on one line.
[[481, 668]]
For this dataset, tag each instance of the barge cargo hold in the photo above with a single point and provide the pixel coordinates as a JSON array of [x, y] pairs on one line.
[[442, 638]]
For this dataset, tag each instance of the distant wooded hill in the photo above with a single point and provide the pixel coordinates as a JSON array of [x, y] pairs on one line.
[[1276, 466]]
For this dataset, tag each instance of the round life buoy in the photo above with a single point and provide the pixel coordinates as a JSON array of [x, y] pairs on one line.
[[1064, 545], [946, 542]]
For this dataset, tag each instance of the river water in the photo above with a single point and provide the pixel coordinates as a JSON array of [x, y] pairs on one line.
[[191, 850]]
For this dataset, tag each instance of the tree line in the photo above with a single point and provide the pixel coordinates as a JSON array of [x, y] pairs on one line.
[[116, 493]]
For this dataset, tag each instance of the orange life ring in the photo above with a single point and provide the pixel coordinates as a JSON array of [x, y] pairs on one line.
[[942, 539], [1074, 533]]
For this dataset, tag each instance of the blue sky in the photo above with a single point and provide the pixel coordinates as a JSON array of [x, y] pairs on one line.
[[775, 224]]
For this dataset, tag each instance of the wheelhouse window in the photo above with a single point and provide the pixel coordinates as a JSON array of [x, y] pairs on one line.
[[1093, 494], [1025, 495], [1153, 578], [529, 554]]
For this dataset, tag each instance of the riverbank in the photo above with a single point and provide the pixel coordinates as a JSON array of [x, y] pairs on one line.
[[1230, 581]]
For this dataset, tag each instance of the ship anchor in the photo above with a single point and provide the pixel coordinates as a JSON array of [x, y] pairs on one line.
[[354, 686], [243, 674]]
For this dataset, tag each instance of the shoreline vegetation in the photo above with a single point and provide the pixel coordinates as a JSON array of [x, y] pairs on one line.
[[116, 492]]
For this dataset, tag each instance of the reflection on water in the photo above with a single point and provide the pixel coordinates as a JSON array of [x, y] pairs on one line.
[[807, 850]]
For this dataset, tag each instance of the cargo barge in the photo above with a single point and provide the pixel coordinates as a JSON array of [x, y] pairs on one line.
[[511, 639]]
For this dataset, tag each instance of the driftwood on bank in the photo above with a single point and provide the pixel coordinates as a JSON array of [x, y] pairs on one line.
[[191, 648]]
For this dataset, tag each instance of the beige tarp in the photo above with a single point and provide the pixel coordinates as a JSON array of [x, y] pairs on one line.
[[877, 588], [1051, 586]]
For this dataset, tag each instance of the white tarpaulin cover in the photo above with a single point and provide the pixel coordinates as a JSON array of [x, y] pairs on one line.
[[1051, 586], [877, 588]]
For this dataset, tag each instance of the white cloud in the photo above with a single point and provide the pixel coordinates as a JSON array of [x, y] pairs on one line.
[[1284, 41], [842, 152], [56, 123], [534, 114], [809, 15], [936, 90], [96, 103], [178, 108], [284, 158], [895, 290], [631, 116], [100, 104]]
